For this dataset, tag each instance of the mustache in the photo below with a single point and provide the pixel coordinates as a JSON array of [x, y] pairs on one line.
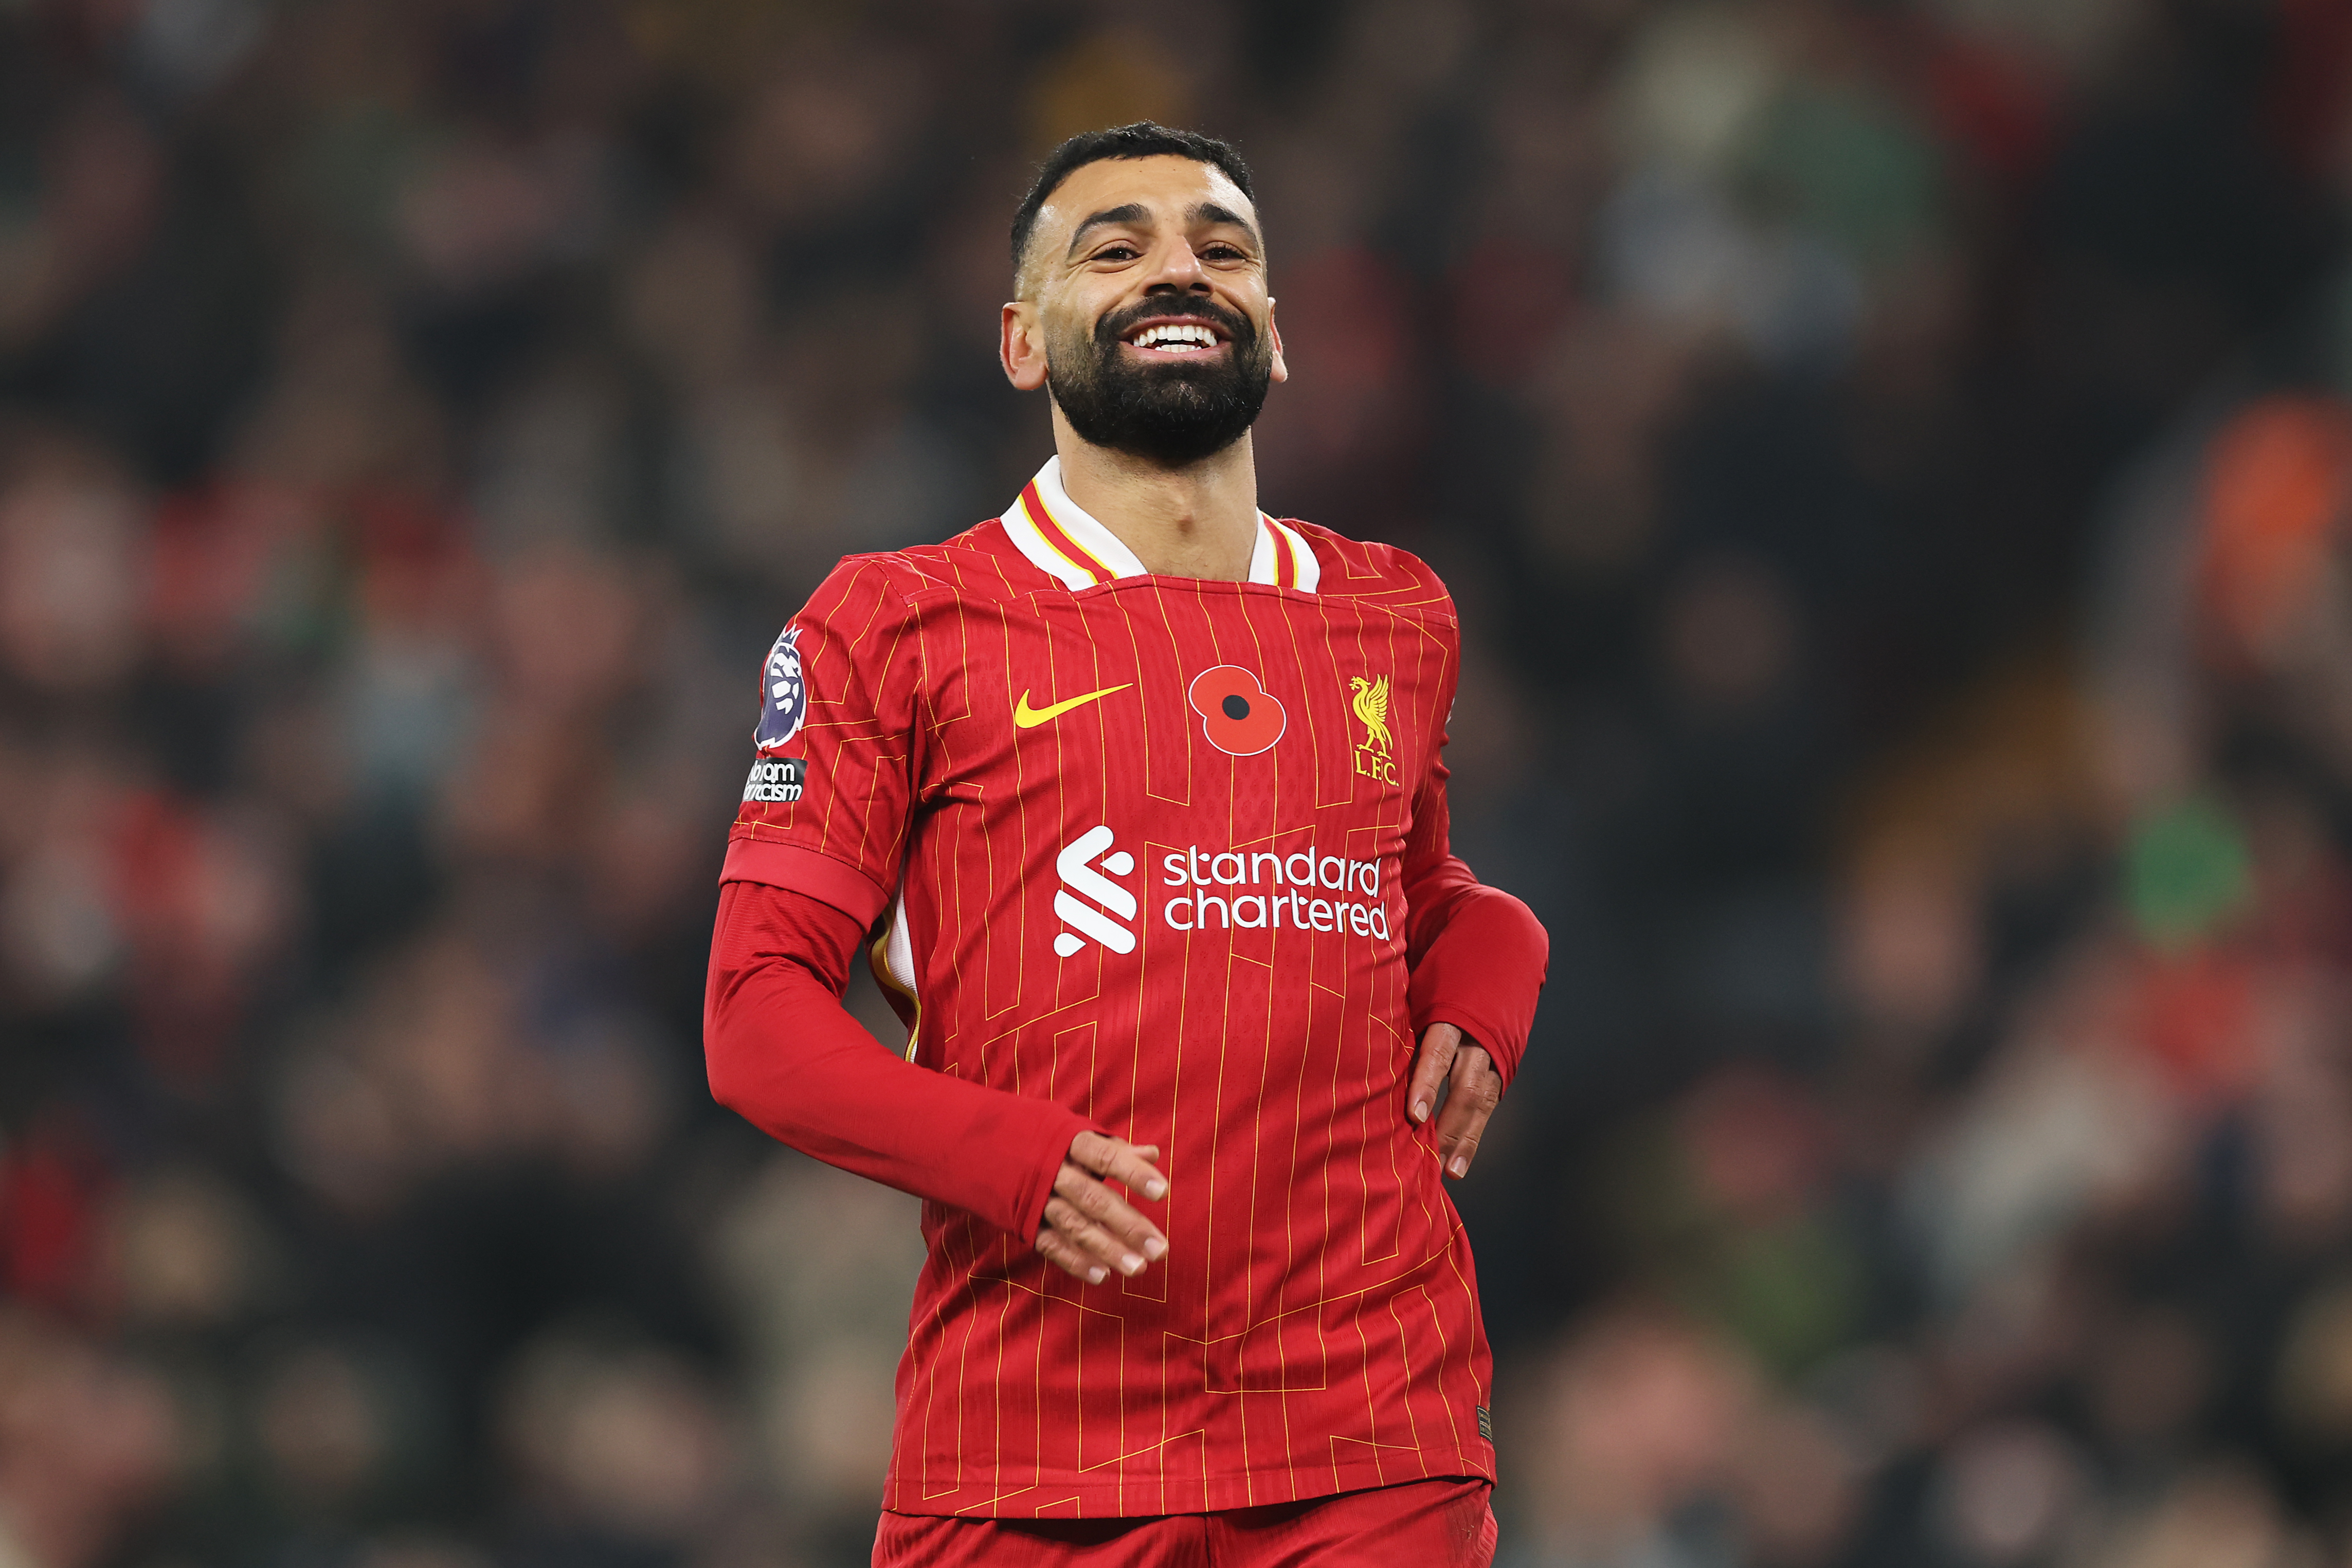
[[1237, 327], [1172, 414]]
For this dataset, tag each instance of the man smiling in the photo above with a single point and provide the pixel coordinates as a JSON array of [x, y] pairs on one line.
[[1135, 793]]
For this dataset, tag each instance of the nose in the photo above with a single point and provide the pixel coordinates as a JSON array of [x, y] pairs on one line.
[[1178, 271]]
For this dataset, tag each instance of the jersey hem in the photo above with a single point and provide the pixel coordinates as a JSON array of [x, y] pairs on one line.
[[800, 870], [1059, 1495]]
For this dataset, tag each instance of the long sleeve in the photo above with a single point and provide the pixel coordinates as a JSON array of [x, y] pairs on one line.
[[1477, 956], [785, 1054]]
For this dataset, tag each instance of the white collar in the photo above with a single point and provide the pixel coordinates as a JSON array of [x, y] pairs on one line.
[[1064, 542]]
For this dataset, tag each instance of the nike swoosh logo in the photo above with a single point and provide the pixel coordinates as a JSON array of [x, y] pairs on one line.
[[1029, 717]]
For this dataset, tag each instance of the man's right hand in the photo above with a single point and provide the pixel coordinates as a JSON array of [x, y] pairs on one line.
[[1089, 1229]]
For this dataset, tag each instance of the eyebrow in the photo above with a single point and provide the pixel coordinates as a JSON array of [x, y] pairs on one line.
[[1211, 213], [1136, 212], [1133, 213]]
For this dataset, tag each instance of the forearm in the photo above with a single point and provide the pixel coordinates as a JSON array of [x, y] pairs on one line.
[[1479, 958], [785, 1054]]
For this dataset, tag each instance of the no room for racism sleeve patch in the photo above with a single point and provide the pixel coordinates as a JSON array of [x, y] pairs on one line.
[[1237, 712], [775, 780]]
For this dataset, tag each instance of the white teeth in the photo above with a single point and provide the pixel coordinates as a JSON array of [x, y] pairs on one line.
[[1178, 338]]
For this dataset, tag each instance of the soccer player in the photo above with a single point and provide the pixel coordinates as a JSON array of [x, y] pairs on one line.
[[1134, 794]]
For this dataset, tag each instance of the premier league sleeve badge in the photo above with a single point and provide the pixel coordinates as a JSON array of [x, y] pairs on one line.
[[784, 694]]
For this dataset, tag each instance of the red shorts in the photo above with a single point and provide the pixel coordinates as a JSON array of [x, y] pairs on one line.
[[1427, 1524]]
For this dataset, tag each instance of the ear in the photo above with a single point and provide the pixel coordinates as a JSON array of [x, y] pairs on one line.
[[1281, 372], [1022, 346]]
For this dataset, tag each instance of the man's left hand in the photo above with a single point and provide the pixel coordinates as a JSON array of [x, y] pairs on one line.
[[1446, 1058]]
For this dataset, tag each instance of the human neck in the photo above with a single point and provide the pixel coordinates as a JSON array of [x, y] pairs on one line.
[[1199, 521]]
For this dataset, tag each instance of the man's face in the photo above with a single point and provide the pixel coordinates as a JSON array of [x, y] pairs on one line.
[[1145, 288]]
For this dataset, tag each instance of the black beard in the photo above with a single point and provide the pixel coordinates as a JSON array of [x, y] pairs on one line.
[[1172, 414]]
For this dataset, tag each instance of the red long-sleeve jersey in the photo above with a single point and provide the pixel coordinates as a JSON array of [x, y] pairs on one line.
[[1166, 858]]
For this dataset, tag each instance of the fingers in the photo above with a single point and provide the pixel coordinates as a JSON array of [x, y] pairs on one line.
[[1095, 1204], [1089, 1229], [1089, 1232], [1097, 1247], [1439, 1044], [1068, 1256], [1130, 1165], [1477, 1089]]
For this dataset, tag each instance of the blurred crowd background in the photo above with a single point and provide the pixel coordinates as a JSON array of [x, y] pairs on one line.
[[1894, 457]]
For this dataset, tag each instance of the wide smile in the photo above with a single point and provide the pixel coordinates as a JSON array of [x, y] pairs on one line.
[[1175, 338]]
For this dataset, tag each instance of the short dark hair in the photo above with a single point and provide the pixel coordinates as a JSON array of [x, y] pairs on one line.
[[1144, 139]]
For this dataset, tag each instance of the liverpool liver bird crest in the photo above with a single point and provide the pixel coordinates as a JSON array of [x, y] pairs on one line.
[[1370, 701]]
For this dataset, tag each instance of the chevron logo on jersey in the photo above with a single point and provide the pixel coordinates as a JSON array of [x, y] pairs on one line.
[[1076, 866]]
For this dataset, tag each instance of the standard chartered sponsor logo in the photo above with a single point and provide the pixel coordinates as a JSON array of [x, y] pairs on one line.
[[1304, 891], [1222, 890], [1075, 867]]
